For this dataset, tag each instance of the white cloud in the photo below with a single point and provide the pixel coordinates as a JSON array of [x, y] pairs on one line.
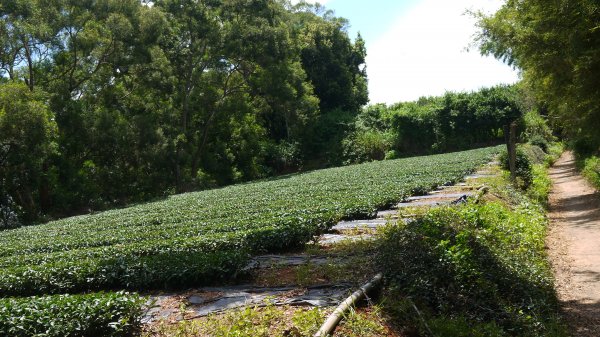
[[424, 53]]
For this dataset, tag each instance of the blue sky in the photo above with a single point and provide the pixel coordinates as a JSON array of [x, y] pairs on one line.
[[420, 47]]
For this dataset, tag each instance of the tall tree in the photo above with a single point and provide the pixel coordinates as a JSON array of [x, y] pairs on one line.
[[27, 139], [336, 68], [556, 44]]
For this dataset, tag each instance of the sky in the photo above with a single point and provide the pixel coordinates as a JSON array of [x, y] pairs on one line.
[[421, 47]]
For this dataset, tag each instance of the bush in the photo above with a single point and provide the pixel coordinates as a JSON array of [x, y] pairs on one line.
[[478, 266], [364, 146], [591, 170], [284, 157], [523, 167], [535, 154], [540, 185], [100, 314], [202, 238], [585, 146], [540, 142], [555, 150], [537, 132]]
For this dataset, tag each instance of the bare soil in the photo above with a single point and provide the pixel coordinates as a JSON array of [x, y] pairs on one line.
[[574, 246]]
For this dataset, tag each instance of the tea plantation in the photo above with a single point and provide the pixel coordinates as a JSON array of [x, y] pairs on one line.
[[204, 237]]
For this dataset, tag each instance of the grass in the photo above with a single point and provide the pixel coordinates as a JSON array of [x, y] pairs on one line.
[[349, 261], [206, 237], [273, 321], [257, 321]]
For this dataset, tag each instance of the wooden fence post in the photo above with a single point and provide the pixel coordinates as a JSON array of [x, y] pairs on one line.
[[512, 150]]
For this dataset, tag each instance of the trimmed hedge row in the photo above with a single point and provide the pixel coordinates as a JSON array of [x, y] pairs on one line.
[[100, 314], [200, 238]]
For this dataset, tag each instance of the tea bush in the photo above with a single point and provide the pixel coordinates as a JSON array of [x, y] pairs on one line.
[[201, 238], [101, 314]]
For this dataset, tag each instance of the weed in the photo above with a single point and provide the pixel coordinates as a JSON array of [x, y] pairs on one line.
[[474, 270], [591, 170]]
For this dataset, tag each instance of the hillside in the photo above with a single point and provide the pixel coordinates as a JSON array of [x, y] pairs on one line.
[[201, 237]]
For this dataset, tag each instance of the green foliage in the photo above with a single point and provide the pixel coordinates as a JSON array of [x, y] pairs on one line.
[[173, 97], [357, 324], [522, 165], [473, 270], [455, 121], [265, 321], [585, 146], [461, 327], [555, 150], [100, 314], [284, 157], [336, 68], [367, 145], [203, 237], [535, 154], [536, 130], [540, 142], [540, 185], [591, 170], [27, 140], [9, 217], [555, 45]]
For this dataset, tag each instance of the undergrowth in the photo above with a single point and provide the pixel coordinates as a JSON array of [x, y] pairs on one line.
[[474, 270], [590, 168], [271, 321]]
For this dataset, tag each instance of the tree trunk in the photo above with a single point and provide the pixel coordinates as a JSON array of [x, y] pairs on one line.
[[30, 81]]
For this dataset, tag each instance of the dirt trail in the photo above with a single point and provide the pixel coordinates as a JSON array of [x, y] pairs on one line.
[[574, 246]]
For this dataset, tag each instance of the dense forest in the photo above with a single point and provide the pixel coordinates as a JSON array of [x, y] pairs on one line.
[[115, 101]]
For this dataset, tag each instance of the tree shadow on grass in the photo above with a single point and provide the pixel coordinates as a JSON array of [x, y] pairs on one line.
[[454, 281]]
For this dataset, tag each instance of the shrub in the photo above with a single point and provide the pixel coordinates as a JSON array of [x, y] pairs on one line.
[[366, 145], [537, 131], [201, 238], [540, 142], [555, 150], [591, 170], [284, 157], [540, 185], [100, 314], [585, 146], [523, 167], [479, 267], [535, 154]]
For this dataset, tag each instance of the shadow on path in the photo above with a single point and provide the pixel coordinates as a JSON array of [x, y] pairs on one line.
[[575, 254]]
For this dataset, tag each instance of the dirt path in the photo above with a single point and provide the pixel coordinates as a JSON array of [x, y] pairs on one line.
[[574, 246]]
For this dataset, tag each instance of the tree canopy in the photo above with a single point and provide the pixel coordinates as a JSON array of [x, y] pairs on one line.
[[116, 101], [556, 45]]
